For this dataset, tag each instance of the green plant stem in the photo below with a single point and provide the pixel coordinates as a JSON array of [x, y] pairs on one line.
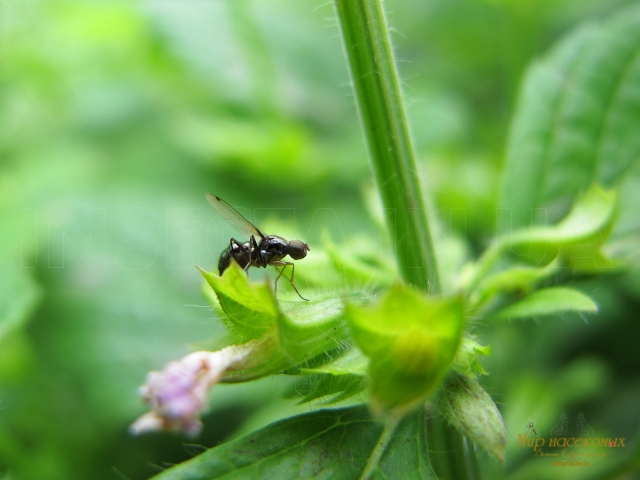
[[377, 91], [447, 452], [484, 264], [379, 100], [472, 461]]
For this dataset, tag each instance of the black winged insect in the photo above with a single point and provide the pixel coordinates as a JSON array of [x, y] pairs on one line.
[[261, 250]]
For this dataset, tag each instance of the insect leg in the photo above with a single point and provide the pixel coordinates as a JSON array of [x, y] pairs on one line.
[[253, 247], [293, 270], [275, 284]]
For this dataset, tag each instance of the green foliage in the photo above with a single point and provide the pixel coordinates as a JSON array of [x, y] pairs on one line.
[[406, 344], [340, 387], [300, 332], [250, 310], [361, 262], [575, 243], [410, 341], [115, 119], [325, 444], [516, 279], [578, 236], [341, 378], [468, 356], [548, 301], [576, 121], [405, 359], [406, 362], [18, 296]]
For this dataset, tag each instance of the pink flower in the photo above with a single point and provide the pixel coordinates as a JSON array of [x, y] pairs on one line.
[[178, 394]]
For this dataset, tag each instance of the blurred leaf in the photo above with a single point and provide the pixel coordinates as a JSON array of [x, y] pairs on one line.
[[410, 341], [18, 296], [451, 246], [280, 153], [541, 398], [578, 235], [548, 302], [16, 357], [264, 148], [336, 444], [463, 188], [466, 405], [362, 262], [577, 120], [515, 280], [467, 356], [576, 241]]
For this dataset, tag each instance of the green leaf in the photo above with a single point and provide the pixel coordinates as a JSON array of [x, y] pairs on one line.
[[341, 387], [335, 444], [307, 329], [300, 330], [576, 242], [18, 296], [578, 236], [352, 362], [410, 340], [515, 280], [405, 455], [466, 405], [250, 309], [548, 302], [577, 120], [344, 377], [466, 359]]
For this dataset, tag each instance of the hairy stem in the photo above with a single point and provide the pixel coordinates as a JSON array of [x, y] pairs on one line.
[[375, 80]]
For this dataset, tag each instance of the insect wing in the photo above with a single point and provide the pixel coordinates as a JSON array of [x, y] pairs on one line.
[[233, 217]]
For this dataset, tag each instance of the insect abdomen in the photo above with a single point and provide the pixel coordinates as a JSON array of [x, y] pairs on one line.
[[241, 256], [224, 261]]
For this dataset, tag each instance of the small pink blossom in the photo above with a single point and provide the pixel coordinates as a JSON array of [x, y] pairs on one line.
[[178, 394]]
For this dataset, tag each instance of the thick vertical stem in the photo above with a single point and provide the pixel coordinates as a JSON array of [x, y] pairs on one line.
[[375, 80], [377, 91], [447, 453]]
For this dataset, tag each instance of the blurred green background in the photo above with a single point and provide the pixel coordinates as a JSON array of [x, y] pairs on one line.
[[117, 117]]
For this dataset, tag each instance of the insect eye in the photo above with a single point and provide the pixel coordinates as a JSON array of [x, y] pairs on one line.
[[298, 249]]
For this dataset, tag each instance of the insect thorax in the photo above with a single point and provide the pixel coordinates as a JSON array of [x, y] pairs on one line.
[[273, 247]]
